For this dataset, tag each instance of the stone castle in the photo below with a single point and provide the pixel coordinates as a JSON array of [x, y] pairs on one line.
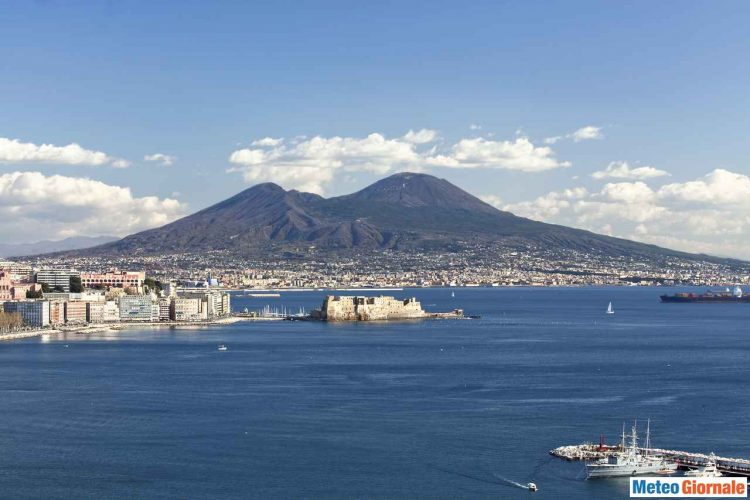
[[351, 308]]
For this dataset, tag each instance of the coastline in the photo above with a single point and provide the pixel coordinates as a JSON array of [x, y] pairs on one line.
[[27, 334], [112, 327]]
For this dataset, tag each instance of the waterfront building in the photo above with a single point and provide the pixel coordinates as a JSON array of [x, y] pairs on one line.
[[56, 312], [95, 312], [188, 309], [114, 279], [56, 278], [75, 312], [34, 313], [216, 304], [138, 308], [79, 297], [165, 304], [226, 304], [111, 312]]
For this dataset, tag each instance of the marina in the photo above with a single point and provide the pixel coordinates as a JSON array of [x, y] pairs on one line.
[[684, 460]]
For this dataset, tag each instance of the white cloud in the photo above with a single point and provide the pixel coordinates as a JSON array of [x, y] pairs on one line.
[[267, 141], [17, 152], [422, 136], [492, 199], [34, 206], [310, 163], [120, 163], [719, 188], [628, 192], [586, 133], [546, 207], [166, 160], [519, 154], [621, 170], [474, 126], [710, 214]]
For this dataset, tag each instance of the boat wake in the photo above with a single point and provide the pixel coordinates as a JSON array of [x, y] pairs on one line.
[[510, 482], [490, 478]]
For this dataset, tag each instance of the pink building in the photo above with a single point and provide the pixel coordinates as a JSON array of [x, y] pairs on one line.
[[75, 312], [6, 285], [56, 312], [19, 289]]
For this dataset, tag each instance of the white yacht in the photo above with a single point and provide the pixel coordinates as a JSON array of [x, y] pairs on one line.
[[222, 347], [708, 470], [532, 487], [630, 461]]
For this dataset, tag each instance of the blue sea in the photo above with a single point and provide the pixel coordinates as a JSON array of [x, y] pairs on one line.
[[431, 409]]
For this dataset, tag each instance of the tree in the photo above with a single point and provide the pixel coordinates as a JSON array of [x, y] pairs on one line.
[[152, 285], [46, 288], [30, 294], [75, 284], [9, 321], [58, 289]]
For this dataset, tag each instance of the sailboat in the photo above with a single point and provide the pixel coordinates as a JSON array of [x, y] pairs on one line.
[[453, 294], [630, 460], [609, 309]]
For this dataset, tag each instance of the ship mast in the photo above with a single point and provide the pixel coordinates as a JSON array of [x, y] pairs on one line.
[[634, 436], [648, 435]]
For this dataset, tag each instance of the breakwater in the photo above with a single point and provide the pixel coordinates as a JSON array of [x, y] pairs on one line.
[[684, 459]]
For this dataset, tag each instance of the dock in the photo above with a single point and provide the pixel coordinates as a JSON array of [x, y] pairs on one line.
[[684, 459]]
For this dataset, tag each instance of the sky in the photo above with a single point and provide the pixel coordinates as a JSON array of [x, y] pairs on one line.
[[625, 118]]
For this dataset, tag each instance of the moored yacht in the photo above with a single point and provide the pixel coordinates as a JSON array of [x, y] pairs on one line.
[[708, 470]]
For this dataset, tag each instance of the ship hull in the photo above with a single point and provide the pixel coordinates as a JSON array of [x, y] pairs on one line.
[[689, 299], [621, 470]]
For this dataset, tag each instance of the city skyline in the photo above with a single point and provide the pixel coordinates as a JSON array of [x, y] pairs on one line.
[[591, 118]]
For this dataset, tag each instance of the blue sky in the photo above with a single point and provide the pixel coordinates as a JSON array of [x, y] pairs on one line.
[[663, 83]]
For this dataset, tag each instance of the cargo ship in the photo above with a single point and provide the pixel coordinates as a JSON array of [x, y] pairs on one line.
[[736, 296]]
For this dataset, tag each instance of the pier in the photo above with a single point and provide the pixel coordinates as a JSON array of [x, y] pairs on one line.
[[684, 459]]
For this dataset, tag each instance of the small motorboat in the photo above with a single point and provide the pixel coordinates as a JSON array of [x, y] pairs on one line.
[[222, 347], [532, 487]]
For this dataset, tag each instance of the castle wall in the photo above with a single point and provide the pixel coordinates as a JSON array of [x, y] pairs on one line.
[[351, 308]]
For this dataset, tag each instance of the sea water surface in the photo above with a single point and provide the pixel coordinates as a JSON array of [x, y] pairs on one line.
[[431, 409]]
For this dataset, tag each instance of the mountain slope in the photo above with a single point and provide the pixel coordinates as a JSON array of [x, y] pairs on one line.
[[401, 212]]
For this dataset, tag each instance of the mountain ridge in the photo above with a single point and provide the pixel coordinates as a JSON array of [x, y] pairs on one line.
[[402, 212]]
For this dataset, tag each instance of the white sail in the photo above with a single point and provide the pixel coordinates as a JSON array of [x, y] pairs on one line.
[[609, 309]]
